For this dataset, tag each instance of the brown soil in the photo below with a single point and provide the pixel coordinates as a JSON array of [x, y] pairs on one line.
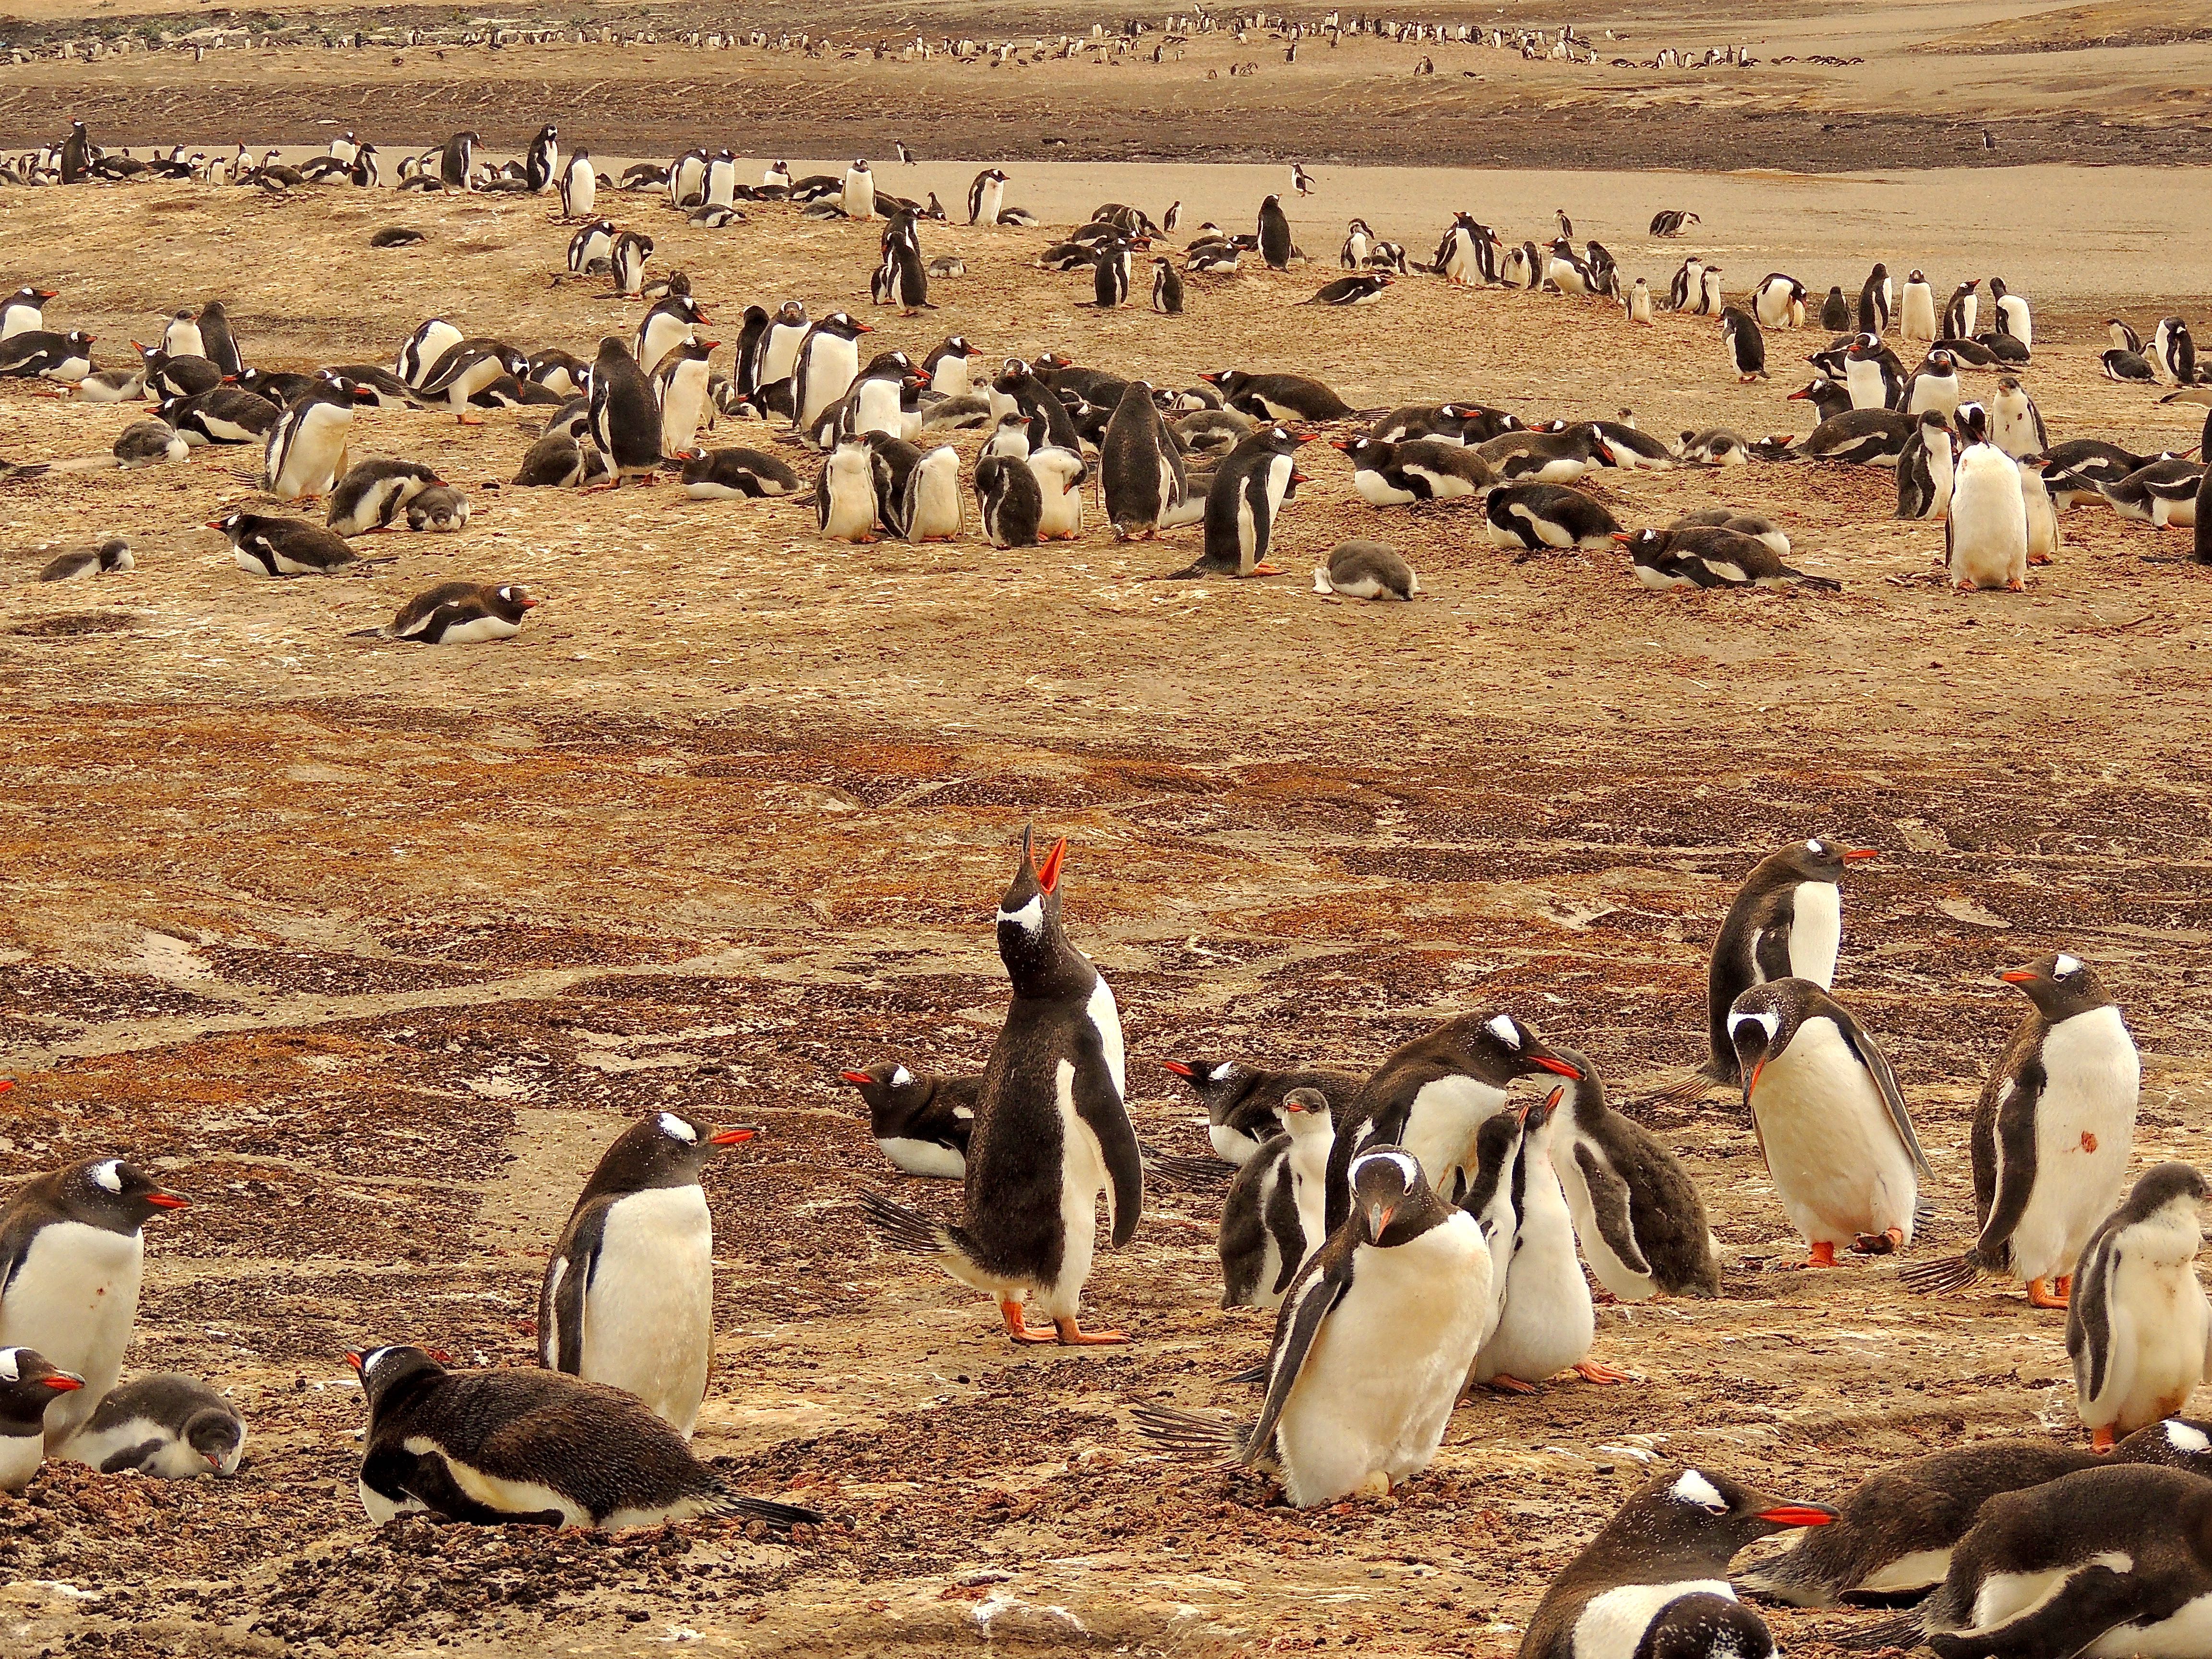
[[372, 950]]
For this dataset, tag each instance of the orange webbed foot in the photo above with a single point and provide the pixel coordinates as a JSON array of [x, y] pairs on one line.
[[1073, 1335], [1823, 1255], [2040, 1295], [1590, 1372], [1502, 1383]]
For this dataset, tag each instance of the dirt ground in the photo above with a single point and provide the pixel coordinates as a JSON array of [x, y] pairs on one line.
[[373, 950]]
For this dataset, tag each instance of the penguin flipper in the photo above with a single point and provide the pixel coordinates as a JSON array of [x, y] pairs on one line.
[[1885, 1079], [433, 1483], [1305, 1310], [2010, 1154], [567, 1289], [1611, 1202], [2089, 1316], [1124, 1166], [2093, 1601]]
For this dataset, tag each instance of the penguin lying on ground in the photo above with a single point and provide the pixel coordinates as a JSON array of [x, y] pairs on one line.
[[1366, 570], [2138, 1328], [921, 1123], [1539, 517], [1712, 556], [1371, 1344], [499, 1447], [1271, 1219], [1653, 1581], [1278, 396], [111, 555], [173, 1427], [458, 613]]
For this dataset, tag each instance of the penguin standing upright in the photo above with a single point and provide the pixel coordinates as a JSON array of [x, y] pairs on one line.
[[496, 1447], [2051, 1136], [986, 199], [1249, 486], [680, 384], [76, 155], [858, 198], [1746, 346], [1167, 287], [1275, 234], [1871, 374], [1052, 1128], [2138, 1328], [1874, 303], [1961, 310], [1654, 1582], [1273, 1217], [628, 1296], [457, 161], [1836, 311], [910, 277], [1638, 302], [1985, 536], [2012, 313], [539, 165], [625, 420], [1140, 470], [1918, 320], [1926, 470], [1830, 1119], [1371, 1344], [826, 363], [1687, 289], [218, 344], [1110, 274], [29, 1385], [1009, 501], [1637, 1213], [70, 1254], [305, 451], [579, 184], [786, 332]]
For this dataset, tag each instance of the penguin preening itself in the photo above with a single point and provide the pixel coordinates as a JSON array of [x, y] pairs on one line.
[[29, 1385], [1052, 1130], [1244, 1103], [458, 613], [1639, 1216], [628, 1296], [498, 1447], [2103, 1563], [1895, 1533], [169, 1427], [1273, 1217], [2138, 1328], [1371, 1344], [921, 1123], [1830, 1119], [1655, 1581], [2052, 1135], [374, 493], [72, 1250]]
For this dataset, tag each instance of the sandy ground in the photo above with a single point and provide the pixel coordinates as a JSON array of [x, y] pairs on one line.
[[372, 950]]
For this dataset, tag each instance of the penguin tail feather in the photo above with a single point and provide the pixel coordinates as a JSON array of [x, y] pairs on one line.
[[1690, 1091], [1824, 584], [1250, 1374], [1193, 1434], [368, 633], [1206, 1174], [903, 1229], [780, 1517], [1901, 1631], [1926, 1278]]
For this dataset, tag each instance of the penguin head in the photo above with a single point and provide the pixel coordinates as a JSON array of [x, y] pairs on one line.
[[1761, 1024], [1372, 451], [511, 600], [1304, 1112], [1389, 1195], [2165, 1191], [1496, 1144], [2060, 986], [384, 1369], [664, 1148], [1038, 955], [108, 1193], [1207, 1078], [1822, 857], [1701, 1509], [215, 1434], [1973, 423], [885, 1082], [1647, 548], [1941, 362], [1498, 1048], [29, 1383]]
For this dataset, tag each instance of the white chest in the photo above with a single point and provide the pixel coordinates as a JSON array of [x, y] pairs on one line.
[[75, 1300], [649, 1309], [1816, 931], [1441, 1123], [1613, 1622]]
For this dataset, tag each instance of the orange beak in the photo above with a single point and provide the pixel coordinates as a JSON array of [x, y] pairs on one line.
[[1854, 854], [857, 1079], [1179, 1067], [731, 1137], [167, 1200], [1749, 1087], [353, 1357], [2018, 976], [1798, 1515], [62, 1382], [1559, 1067], [1048, 871]]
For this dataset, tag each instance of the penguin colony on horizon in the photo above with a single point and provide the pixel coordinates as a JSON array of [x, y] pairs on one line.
[[1422, 1229]]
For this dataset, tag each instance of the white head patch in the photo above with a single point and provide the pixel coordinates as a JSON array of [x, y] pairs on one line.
[[2065, 965], [1766, 1019], [1222, 1072], [1692, 1487], [1407, 1166], [10, 1373], [1502, 1028], [676, 1129], [1029, 918], [1812, 846], [2178, 1435], [901, 1077], [107, 1174]]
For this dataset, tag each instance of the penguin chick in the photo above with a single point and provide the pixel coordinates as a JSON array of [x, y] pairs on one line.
[[2138, 1328], [111, 555], [175, 1428], [1366, 570], [1273, 1216], [439, 508]]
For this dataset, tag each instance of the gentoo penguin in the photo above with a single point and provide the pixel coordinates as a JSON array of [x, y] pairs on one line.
[[457, 161], [1550, 456], [374, 493], [1896, 1532], [1432, 1093], [1363, 290], [1638, 1214], [70, 1254], [1926, 472], [305, 450], [1244, 1103], [1250, 484], [24, 312], [925, 506], [76, 161], [42, 354], [1830, 1118], [680, 384], [1959, 312], [2051, 1136], [1656, 1578], [1414, 469], [845, 495], [591, 248], [1836, 311], [1747, 345], [1859, 437], [1009, 438], [1167, 287], [1009, 501], [29, 1385], [1638, 303], [1917, 320], [1564, 269], [986, 197], [268, 544], [1110, 274], [458, 613], [110, 556], [1358, 240], [725, 474], [628, 1295], [858, 198], [1140, 468], [1985, 537], [221, 414], [2105, 1563], [625, 420], [580, 186], [181, 338], [1370, 1344], [1052, 1131], [921, 1123], [1468, 252], [1778, 301], [1934, 384], [1538, 516], [779, 353], [628, 257], [1060, 474], [1277, 397], [1274, 234], [1271, 1219], [667, 325], [2044, 536], [1713, 556], [1686, 293], [497, 1447], [826, 363], [2015, 424], [1545, 1322], [1711, 302], [1870, 373], [2138, 1328], [169, 1427], [1360, 570], [2162, 492], [424, 348]]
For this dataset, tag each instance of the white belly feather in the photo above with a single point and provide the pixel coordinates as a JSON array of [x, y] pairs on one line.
[[75, 1300], [1840, 1167], [649, 1311], [1816, 931], [1613, 1622], [2084, 1127]]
